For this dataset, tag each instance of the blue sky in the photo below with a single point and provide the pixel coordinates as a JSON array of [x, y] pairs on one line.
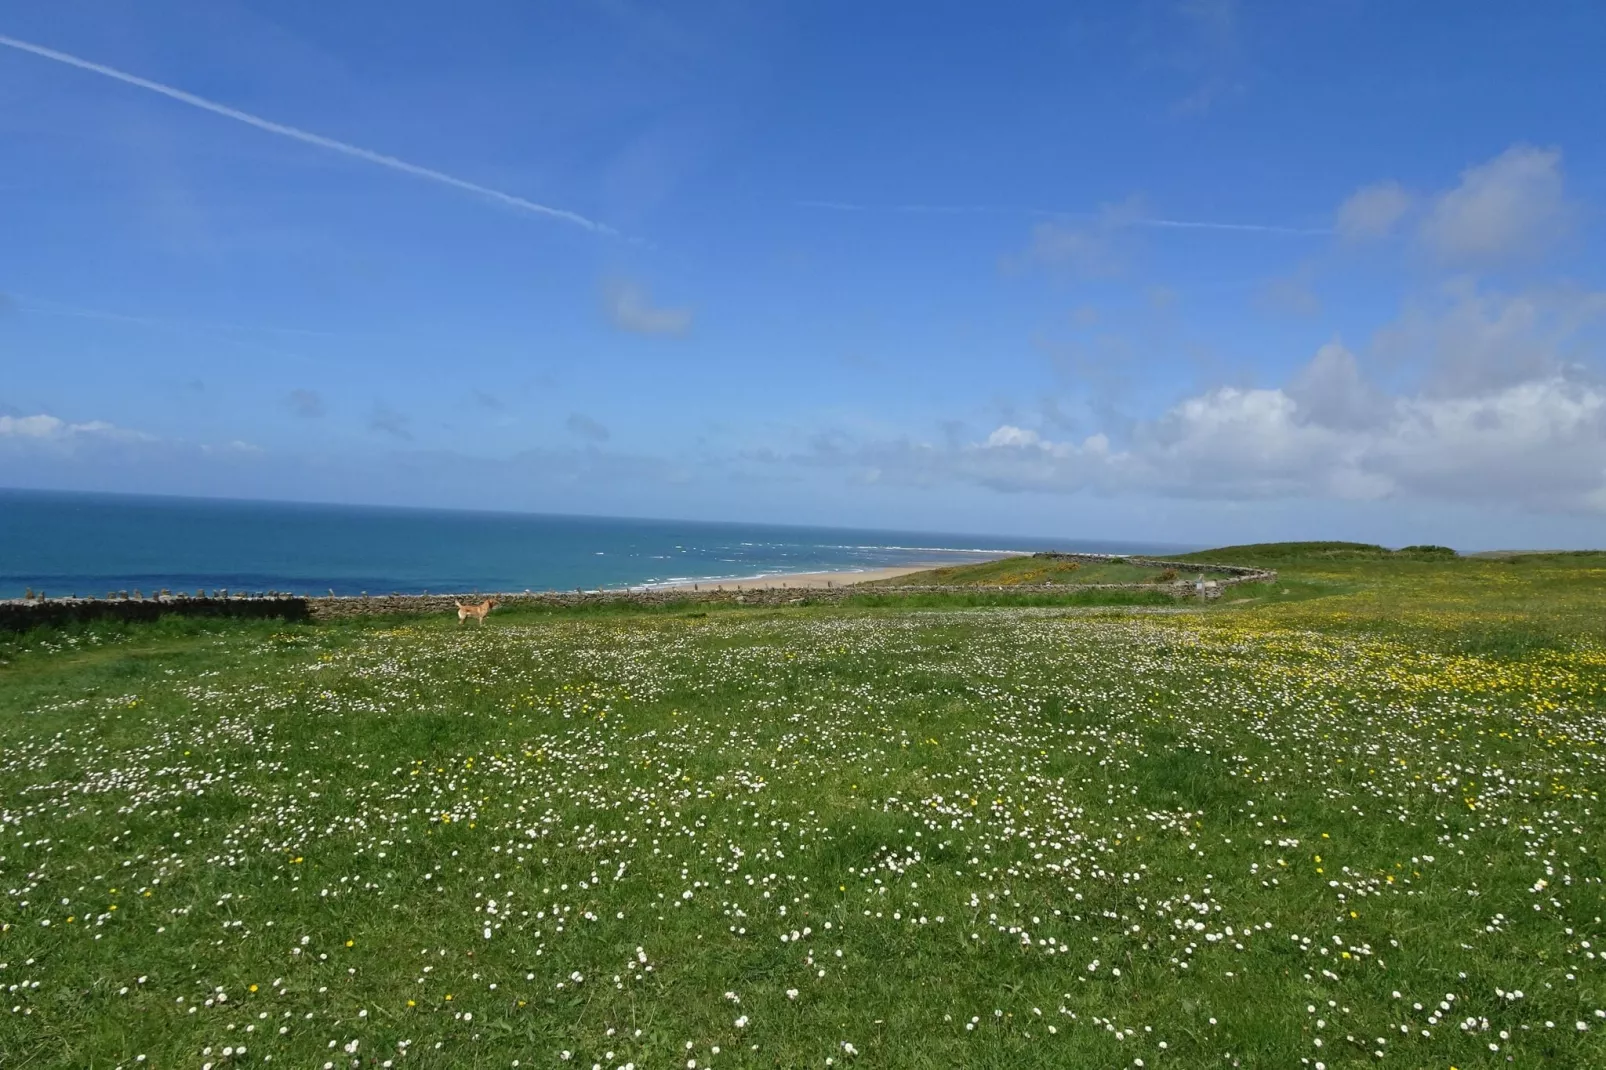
[[1194, 272]]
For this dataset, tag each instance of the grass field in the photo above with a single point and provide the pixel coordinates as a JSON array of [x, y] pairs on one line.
[[1014, 571], [1350, 819]]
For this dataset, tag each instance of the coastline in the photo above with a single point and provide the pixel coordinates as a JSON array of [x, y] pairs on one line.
[[805, 580], [775, 589], [94, 544]]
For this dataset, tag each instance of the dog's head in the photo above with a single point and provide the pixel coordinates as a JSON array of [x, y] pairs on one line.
[[490, 602]]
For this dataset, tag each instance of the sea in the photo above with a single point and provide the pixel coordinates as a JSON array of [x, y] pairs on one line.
[[60, 543]]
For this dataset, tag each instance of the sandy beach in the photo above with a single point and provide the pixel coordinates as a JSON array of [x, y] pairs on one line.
[[803, 580]]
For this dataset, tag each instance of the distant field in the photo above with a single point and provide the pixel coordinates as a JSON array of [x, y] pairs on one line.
[[1034, 570], [1352, 818]]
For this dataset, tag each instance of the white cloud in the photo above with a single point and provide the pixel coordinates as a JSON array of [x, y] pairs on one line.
[[1015, 457], [630, 308], [1372, 211], [30, 441], [1008, 435], [1100, 248], [1508, 414], [1011, 458], [1538, 445], [238, 447], [43, 427], [1331, 392], [40, 426], [1465, 341], [1513, 206], [1241, 443]]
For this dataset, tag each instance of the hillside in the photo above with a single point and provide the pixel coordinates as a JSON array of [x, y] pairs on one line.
[[1274, 554], [786, 834], [1036, 569]]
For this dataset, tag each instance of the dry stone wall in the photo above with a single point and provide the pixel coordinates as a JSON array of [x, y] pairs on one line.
[[22, 614]]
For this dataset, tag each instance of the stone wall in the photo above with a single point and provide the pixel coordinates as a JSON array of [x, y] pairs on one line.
[[21, 614], [1194, 567]]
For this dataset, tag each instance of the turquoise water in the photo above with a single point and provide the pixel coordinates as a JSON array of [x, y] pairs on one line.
[[89, 544]]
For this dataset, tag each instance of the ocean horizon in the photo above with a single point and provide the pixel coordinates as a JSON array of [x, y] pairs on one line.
[[76, 543]]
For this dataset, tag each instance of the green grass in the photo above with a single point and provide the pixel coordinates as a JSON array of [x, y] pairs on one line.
[[1034, 569], [1360, 803], [1271, 554], [959, 599]]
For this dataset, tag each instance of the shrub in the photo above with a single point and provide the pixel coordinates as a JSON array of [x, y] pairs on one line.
[[1428, 550]]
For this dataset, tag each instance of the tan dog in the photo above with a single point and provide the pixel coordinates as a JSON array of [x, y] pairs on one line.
[[478, 611]]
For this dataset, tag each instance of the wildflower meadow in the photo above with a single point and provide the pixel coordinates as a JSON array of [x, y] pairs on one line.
[[1342, 822]]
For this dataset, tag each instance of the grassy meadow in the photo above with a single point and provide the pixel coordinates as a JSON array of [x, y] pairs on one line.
[[1351, 818], [1034, 569]]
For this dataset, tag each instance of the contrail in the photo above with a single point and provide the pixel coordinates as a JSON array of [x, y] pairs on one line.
[[309, 138], [1049, 213], [1259, 228]]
